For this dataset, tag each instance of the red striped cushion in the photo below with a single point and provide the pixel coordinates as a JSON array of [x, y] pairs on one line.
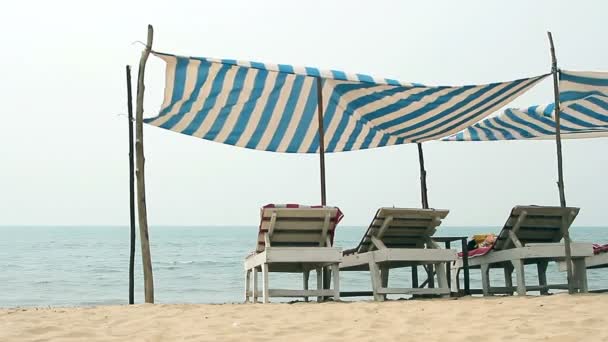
[[477, 252], [597, 248]]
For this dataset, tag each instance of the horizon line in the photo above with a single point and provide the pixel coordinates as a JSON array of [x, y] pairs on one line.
[[236, 225]]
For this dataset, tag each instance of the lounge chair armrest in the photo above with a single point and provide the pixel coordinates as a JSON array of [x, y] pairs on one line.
[[349, 251]]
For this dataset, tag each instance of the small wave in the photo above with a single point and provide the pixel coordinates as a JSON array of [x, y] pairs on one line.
[[185, 262], [42, 282], [190, 262], [169, 268], [12, 266]]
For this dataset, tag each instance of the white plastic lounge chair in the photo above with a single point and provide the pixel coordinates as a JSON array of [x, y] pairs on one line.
[[531, 235], [295, 239], [397, 238]]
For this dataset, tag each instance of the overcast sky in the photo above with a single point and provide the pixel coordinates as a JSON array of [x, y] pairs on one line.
[[63, 144]]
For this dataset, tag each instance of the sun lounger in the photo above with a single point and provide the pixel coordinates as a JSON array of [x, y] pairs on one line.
[[400, 238], [294, 239], [531, 235]]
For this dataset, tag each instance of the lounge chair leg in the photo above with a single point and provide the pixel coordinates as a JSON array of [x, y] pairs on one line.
[[335, 269], [442, 278], [542, 276], [485, 279], [519, 271], [430, 273], [319, 282], [247, 285], [265, 294], [455, 283], [580, 274], [508, 270], [306, 275], [255, 285], [376, 281], [415, 276], [384, 271]]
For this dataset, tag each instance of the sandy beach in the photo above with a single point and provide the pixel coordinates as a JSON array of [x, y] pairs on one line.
[[551, 318]]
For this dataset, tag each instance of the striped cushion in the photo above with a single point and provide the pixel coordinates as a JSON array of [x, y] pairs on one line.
[[477, 252], [597, 248]]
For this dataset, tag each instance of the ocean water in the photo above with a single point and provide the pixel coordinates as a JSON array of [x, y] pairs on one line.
[[88, 265]]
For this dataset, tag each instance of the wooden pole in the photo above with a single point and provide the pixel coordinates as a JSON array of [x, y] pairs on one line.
[[326, 271], [423, 191], [560, 173], [321, 138], [131, 191], [141, 185]]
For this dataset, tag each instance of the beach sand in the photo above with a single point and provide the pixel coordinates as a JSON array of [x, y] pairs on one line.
[[550, 318]]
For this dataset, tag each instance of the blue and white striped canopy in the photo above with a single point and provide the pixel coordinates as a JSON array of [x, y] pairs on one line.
[[583, 114], [274, 107]]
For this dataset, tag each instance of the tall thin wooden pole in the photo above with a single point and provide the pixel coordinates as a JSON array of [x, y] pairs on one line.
[[560, 173], [321, 138], [131, 191], [326, 271], [141, 185], [423, 191]]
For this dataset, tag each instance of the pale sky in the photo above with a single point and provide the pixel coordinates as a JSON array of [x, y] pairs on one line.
[[64, 146]]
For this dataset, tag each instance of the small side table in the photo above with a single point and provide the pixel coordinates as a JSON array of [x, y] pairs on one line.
[[465, 258]]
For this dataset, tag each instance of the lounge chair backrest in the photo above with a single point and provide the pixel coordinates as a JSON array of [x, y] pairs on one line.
[[535, 224], [401, 228], [297, 227]]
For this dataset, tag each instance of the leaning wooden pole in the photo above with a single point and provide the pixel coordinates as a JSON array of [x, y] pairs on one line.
[[423, 190], [560, 173], [321, 138], [141, 185], [131, 191]]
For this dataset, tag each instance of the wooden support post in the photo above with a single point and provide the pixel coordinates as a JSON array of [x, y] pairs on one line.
[[326, 271], [131, 191], [465, 266], [321, 138], [141, 186], [560, 173], [423, 191]]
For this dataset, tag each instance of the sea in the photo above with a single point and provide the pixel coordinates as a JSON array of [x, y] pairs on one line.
[[50, 266]]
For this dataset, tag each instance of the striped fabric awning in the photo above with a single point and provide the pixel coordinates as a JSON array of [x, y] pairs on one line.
[[584, 114], [273, 107]]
